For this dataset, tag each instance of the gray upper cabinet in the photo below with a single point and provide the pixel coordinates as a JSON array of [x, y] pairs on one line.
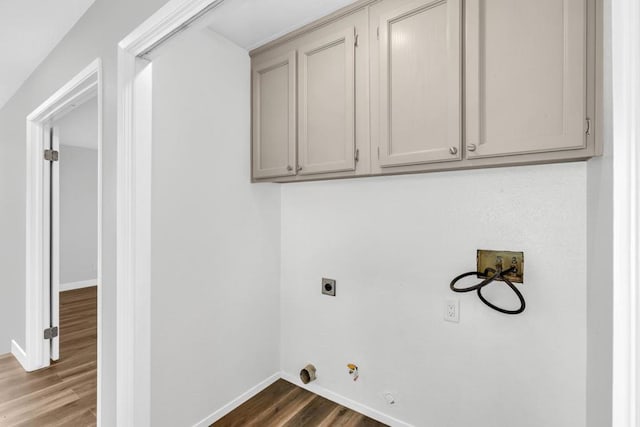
[[327, 104], [274, 115], [419, 82], [525, 76], [385, 87]]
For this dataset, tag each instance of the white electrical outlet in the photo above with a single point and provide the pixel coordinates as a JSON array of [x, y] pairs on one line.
[[452, 310]]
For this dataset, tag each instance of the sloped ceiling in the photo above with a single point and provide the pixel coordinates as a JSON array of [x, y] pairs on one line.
[[29, 30]]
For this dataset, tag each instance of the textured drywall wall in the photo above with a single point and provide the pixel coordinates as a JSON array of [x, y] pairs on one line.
[[215, 257], [600, 252], [393, 244]]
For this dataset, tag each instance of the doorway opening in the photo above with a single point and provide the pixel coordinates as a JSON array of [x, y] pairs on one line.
[[64, 231]]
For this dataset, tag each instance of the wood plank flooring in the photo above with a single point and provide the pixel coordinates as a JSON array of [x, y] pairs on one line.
[[65, 393], [285, 405]]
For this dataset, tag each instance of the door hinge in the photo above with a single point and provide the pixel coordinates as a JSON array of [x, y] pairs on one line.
[[588, 131], [378, 153], [355, 37], [50, 333], [51, 155], [378, 32], [357, 156]]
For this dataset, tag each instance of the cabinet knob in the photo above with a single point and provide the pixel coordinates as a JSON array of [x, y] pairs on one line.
[[289, 168], [453, 150], [471, 147]]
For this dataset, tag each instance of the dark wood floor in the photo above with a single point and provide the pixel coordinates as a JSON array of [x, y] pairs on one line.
[[65, 393], [284, 404]]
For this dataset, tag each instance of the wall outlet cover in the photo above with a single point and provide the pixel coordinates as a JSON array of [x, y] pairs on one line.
[[452, 310]]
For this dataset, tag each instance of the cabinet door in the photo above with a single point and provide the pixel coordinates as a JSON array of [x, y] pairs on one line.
[[274, 116], [420, 79], [327, 104], [525, 76]]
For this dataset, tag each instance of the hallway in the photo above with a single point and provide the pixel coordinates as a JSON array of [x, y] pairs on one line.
[[65, 393]]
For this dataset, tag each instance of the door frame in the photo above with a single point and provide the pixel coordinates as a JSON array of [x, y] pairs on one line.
[[36, 355], [625, 46], [133, 194]]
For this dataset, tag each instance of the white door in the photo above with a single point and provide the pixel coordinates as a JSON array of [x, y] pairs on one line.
[[51, 229], [525, 76]]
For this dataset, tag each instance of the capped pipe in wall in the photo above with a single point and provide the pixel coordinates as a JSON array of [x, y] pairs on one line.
[[308, 374]]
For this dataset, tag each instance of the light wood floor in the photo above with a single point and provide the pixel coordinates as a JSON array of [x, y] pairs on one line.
[[65, 393], [284, 404]]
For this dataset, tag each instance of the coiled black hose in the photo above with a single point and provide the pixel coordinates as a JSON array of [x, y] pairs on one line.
[[492, 275]]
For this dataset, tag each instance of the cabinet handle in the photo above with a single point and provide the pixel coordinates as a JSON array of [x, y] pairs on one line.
[[289, 168], [453, 150], [299, 168], [471, 147]]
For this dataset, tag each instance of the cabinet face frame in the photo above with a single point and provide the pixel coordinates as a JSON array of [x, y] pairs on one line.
[[450, 149], [574, 87], [260, 68], [346, 37]]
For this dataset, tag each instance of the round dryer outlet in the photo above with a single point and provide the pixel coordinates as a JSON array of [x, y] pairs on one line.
[[329, 287]]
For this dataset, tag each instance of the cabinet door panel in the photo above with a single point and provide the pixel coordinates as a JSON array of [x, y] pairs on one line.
[[274, 117], [327, 104], [420, 79], [525, 78]]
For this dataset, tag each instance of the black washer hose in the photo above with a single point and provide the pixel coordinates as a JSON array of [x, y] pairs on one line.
[[497, 274], [480, 285], [502, 310]]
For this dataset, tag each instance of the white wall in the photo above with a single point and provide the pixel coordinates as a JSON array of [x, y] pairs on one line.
[[600, 255], [79, 127], [78, 213], [96, 34], [215, 236], [394, 244]]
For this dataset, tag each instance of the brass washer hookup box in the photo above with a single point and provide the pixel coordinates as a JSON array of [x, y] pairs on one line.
[[505, 259]]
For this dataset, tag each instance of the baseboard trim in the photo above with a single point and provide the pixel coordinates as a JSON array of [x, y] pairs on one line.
[[314, 388], [19, 354], [78, 285], [346, 402], [238, 401]]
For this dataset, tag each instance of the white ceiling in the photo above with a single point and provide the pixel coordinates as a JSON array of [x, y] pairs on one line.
[[79, 128], [29, 30], [252, 23]]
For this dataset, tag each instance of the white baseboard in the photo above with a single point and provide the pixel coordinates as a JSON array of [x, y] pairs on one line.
[[346, 402], [237, 401], [314, 388], [19, 354], [78, 285]]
